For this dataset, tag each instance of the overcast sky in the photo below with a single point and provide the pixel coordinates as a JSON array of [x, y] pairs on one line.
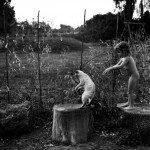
[[56, 12]]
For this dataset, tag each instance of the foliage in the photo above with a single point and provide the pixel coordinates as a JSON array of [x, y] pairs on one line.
[[23, 70], [55, 45], [105, 27], [9, 16], [102, 27], [146, 19], [128, 8]]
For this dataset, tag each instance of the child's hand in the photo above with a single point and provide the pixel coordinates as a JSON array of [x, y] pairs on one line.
[[107, 70]]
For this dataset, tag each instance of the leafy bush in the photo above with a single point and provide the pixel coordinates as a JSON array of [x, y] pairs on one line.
[[56, 45]]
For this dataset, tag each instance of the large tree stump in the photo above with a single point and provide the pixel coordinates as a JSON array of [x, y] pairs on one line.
[[71, 124], [137, 121]]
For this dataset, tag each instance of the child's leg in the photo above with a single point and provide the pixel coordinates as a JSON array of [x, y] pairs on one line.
[[131, 87]]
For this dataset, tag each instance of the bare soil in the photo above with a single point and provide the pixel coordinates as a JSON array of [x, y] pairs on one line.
[[40, 139]]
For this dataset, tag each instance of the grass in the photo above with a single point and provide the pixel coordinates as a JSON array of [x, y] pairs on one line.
[[23, 67]]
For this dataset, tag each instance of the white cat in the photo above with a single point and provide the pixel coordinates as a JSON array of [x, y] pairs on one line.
[[88, 85]]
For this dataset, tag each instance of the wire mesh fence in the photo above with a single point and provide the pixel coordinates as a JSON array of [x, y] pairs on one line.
[[32, 72], [26, 60]]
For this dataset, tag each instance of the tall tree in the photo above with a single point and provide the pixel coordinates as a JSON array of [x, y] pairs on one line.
[[141, 6], [102, 27], [128, 8], [9, 16]]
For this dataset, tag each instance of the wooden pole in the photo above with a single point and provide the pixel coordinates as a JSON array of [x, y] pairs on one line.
[[82, 42], [117, 26], [5, 40], [114, 74], [114, 71], [39, 70]]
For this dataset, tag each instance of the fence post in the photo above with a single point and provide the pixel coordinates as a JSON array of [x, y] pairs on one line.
[[114, 74], [7, 71], [82, 43], [39, 71]]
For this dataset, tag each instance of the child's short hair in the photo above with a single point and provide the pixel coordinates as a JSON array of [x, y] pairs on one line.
[[123, 47]]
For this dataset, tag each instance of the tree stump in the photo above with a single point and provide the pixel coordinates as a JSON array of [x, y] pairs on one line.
[[71, 124], [16, 118], [137, 121]]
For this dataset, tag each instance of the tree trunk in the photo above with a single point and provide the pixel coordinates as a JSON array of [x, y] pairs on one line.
[[71, 124], [129, 9]]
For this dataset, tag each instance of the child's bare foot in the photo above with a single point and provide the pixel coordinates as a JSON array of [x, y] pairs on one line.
[[123, 104], [129, 107]]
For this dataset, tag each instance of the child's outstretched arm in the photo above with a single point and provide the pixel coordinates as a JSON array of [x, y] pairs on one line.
[[119, 65]]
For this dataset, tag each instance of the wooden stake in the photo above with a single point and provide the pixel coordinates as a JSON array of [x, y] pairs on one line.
[[39, 71], [82, 42], [5, 40]]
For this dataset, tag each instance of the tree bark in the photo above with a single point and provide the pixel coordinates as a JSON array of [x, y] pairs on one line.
[[71, 124]]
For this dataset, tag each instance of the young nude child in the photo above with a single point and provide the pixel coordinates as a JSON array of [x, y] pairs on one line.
[[128, 62]]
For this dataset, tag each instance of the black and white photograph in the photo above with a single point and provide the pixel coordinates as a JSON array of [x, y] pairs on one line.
[[75, 75]]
